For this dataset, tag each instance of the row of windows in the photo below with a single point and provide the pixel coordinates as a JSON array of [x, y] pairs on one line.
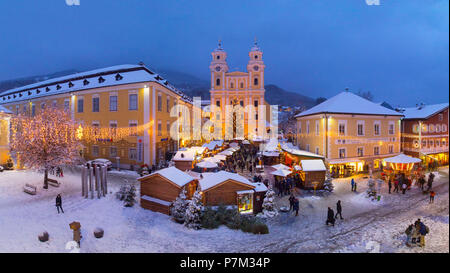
[[132, 152], [241, 103], [432, 143], [113, 103], [360, 151], [342, 128], [431, 128], [255, 83]]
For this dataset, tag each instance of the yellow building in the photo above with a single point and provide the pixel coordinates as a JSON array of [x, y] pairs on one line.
[[124, 98], [4, 134], [352, 133], [239, 88]]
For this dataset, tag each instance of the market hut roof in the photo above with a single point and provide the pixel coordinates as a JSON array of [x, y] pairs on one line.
[[172, 174], [211, 180], [313, 165]]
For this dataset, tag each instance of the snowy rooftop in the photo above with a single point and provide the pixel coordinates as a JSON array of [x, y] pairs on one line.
[[173, 174], [403, 159], [423, 111], [109, 76], [349, 103], [259, 187], [313, 165], [185, 155], [213, 179], [288, 147]]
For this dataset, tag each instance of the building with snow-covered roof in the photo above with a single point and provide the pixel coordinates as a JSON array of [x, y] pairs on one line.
[[226, 188], [352, 133], [5, 116], [126, 106], [425, 132], [161, 188]]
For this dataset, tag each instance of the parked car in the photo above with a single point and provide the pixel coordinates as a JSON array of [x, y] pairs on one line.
[[101, 161]]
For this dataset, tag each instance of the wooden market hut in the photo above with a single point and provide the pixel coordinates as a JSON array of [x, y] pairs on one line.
[[292, 155], [184, 160], [230, 189], [260, 192], [313, 170], [161, 188]]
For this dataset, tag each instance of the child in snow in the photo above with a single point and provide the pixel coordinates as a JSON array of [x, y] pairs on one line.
[[432, 194], [409, 233]]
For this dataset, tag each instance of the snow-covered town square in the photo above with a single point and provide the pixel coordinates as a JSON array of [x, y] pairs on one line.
[[211, 130]]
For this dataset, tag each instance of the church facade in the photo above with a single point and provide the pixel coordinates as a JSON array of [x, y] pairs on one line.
[[231, 89]]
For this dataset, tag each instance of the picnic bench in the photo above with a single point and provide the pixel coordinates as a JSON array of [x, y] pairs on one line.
[[30, 189], [53, 182]]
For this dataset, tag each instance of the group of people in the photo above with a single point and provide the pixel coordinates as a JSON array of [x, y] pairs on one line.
[[57, 171], [243, 159], [415, 234], [331, 217], [284, 185]]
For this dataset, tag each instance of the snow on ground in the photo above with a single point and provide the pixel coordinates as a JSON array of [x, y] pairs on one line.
[[367, 225]]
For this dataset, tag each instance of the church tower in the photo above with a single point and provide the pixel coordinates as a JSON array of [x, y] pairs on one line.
[[255, 68], [218, 68]]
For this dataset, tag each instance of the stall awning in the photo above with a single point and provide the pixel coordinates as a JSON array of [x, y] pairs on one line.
[[245, 192], [403, 159]]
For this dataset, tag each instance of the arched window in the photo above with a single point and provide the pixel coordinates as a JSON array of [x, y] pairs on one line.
[[255, 81], [256, 56], [218, 57], [218, 82], [242, 85], [231, 85]]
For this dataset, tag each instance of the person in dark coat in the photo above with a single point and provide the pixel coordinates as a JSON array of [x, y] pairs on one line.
[[296, 206], [390, 186], [59, 203], [291, 202], [339, 209], [353, 184], [330, 217]]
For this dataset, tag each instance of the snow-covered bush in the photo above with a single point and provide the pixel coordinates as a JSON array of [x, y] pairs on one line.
[[130, 197], [179, 207], [268, 205], [192, 217], [328, 185], [127, 194]]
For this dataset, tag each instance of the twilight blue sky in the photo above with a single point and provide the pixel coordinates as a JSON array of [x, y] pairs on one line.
[[399, 50]]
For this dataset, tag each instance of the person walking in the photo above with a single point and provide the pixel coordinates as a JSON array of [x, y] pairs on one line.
[[330, 217], [339, 210], [291, 202], [396, 185], [296, 206], [390, 186], [432, 194], [423, 230], [353, 184], [59, 203]]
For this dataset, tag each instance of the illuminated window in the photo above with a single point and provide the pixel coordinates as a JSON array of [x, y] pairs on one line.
[[96, 127], [391, 128], [360, 151], [168, 104], [391, 148], [360, 128], [132, 125], [113, 127], [159, 128], [342, 153], [341, 129], [307, 127]]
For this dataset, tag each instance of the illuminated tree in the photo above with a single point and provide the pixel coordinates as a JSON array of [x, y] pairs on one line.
[[49, 139]]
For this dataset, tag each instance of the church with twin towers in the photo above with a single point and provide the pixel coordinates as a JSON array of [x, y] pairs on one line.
[[231, 89]]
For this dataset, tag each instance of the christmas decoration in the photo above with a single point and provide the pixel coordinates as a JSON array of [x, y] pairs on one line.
[[269, 205], [46, 140]]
